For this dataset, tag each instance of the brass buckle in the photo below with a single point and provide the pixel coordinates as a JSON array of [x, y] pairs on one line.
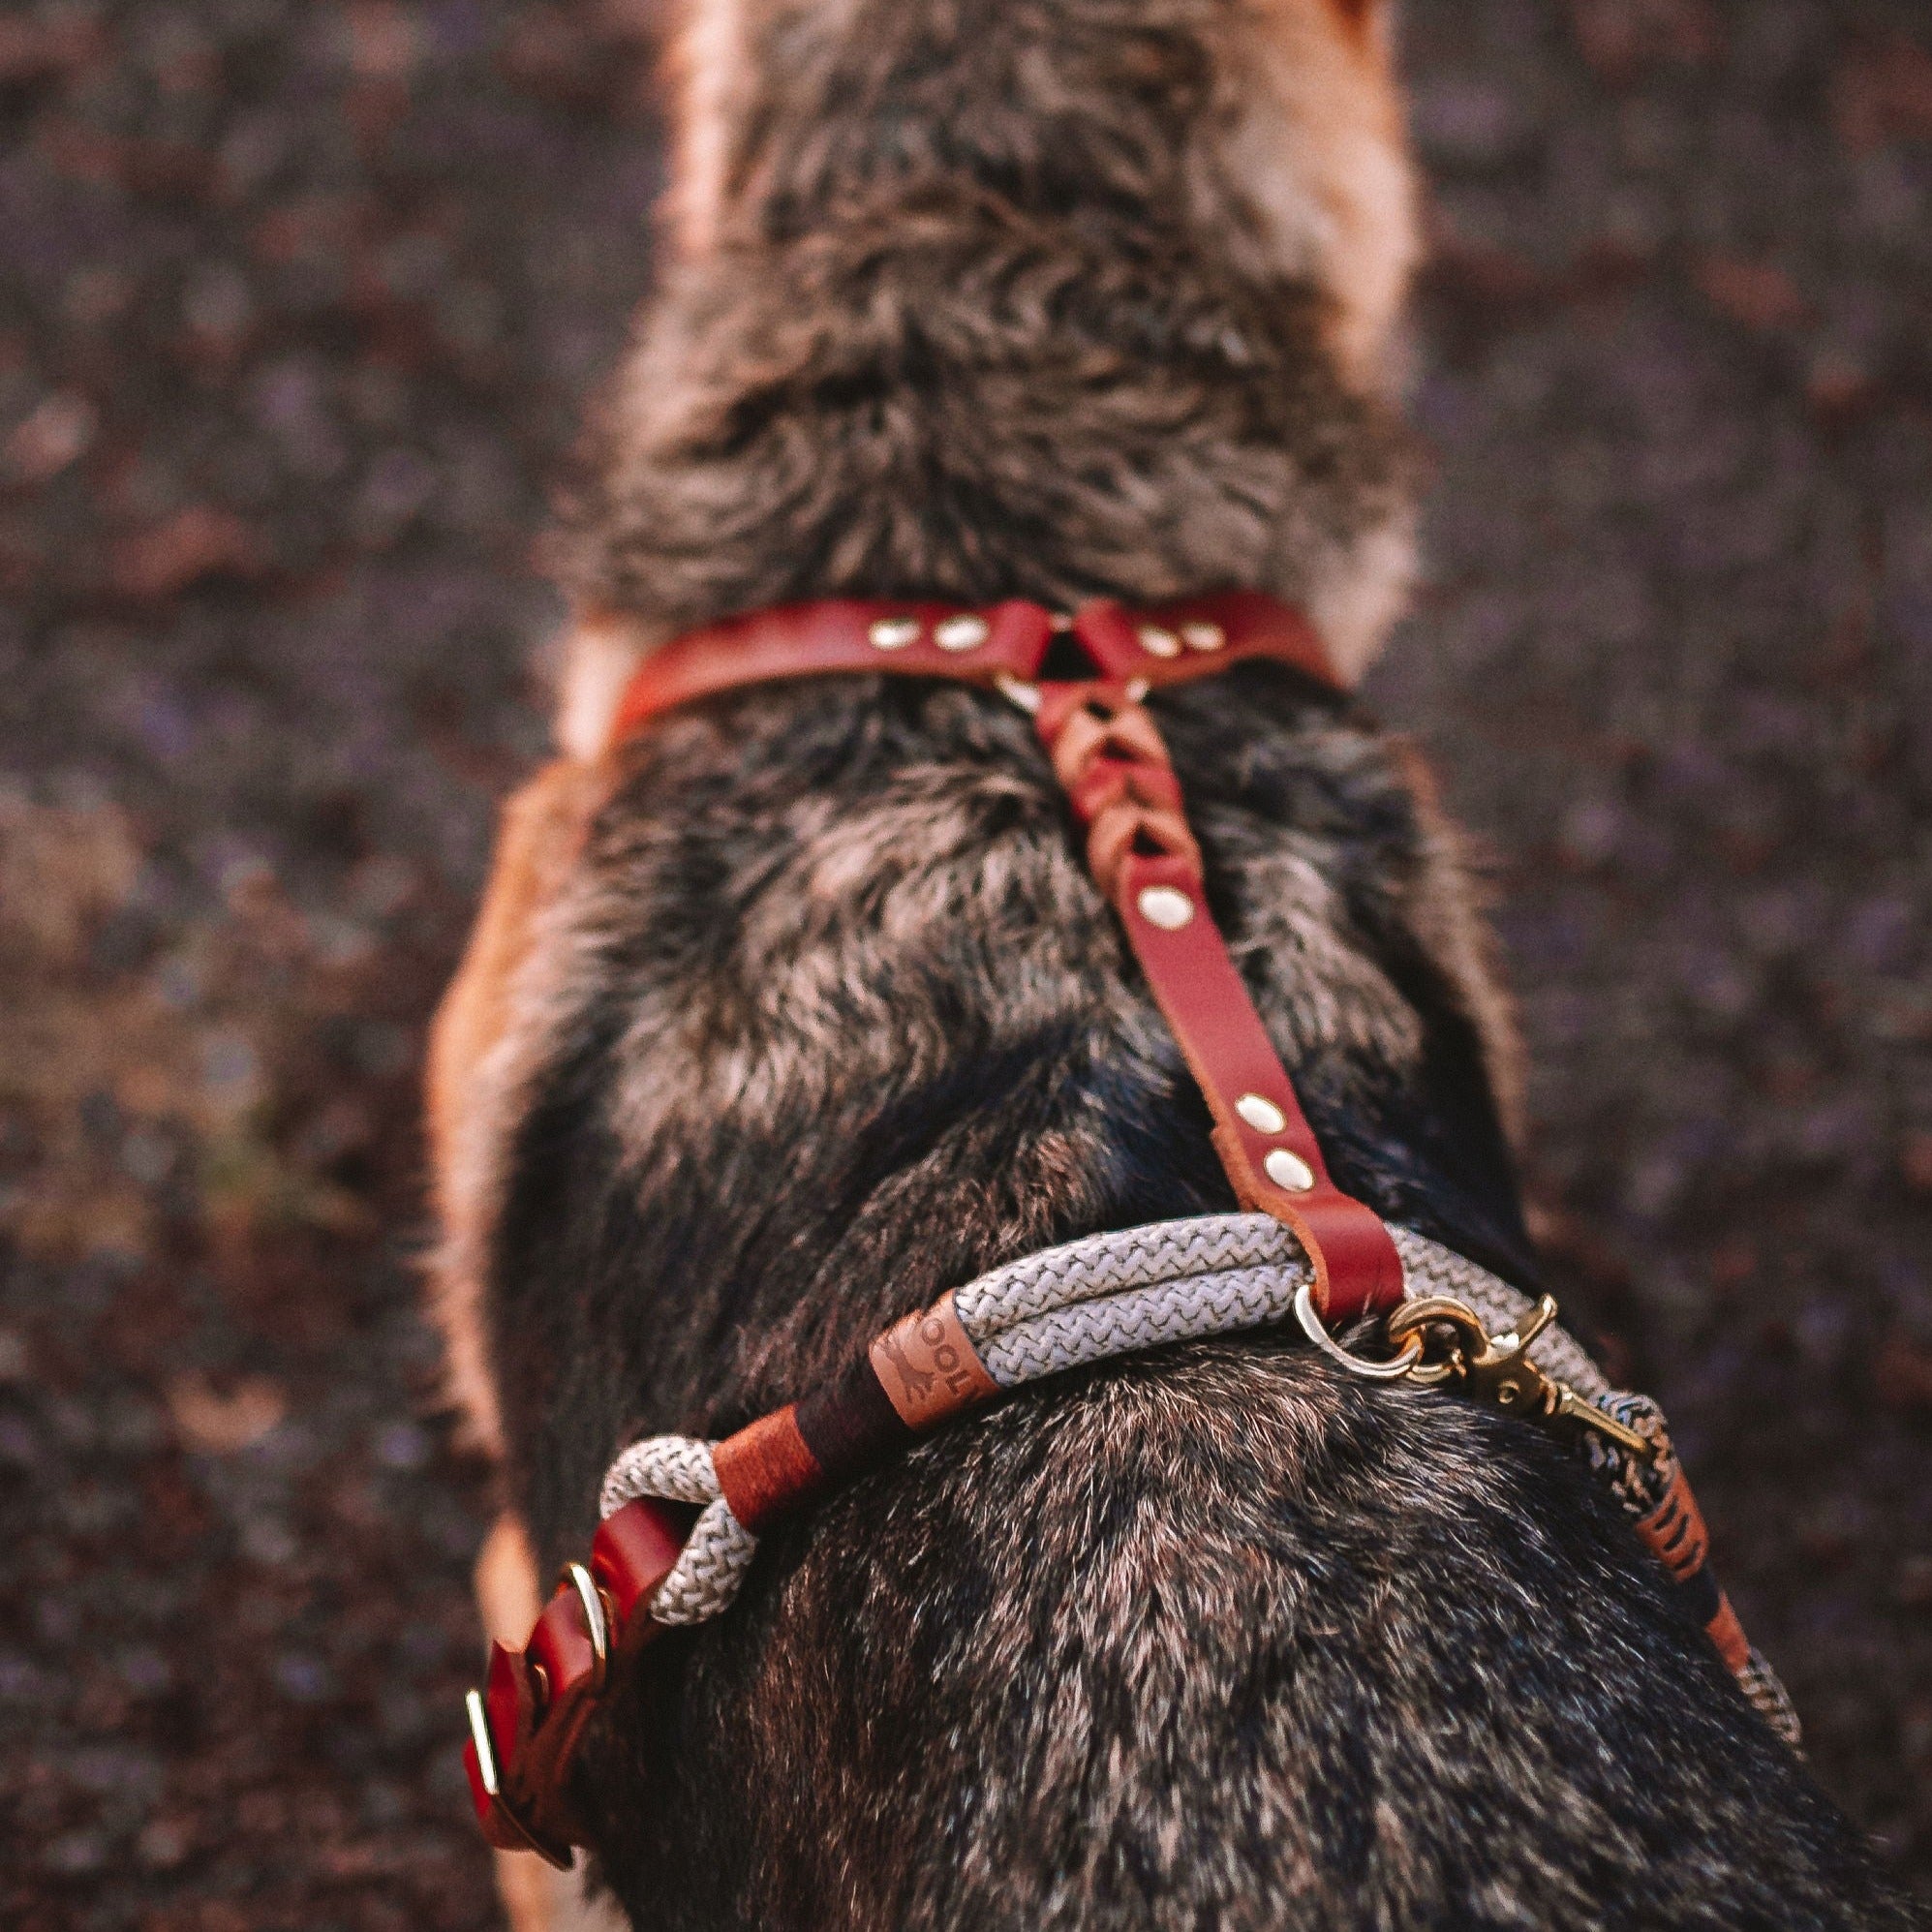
[[516, 1835], [596, 1622]]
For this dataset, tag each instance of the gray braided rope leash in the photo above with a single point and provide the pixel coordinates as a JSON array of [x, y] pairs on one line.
[[1142, 1257], [1137, 1288], [1106, 1294], [1639, 1486], [1137, 1318]]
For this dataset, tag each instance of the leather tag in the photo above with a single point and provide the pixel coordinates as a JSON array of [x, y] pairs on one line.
[[928, 1368]]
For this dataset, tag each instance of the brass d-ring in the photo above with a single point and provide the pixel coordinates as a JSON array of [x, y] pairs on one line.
[[595, 1620], [1401, 1363]]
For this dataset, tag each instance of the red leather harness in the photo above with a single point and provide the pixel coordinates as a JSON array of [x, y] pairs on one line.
[[1108, 754], [1083, 678]]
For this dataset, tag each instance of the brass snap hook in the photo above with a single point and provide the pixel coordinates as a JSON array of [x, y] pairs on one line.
[[1497, 1369]]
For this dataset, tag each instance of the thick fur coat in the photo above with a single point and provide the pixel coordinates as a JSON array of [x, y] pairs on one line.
[[800, 1008]]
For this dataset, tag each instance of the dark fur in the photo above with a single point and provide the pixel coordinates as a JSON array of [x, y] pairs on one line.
[[968, 339], [831, 1019]]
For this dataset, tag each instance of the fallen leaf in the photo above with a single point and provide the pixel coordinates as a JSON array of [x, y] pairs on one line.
[[195, 542], [220, 1424], [1759, 294]]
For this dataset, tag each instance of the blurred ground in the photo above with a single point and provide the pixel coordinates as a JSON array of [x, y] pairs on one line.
[[298, 309]]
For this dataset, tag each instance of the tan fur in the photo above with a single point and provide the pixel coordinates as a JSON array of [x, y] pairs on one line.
[[597, 657], [705, 71], [538, 841], [1321, 149]]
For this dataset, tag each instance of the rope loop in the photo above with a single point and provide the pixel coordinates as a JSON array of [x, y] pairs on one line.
[[679, 1469]]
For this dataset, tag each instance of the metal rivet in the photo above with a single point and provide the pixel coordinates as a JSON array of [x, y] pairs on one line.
[[1203, 637], [1166, 907], [894, 634], [1288, 1170], [1260, 1113], [963, 632], [1158, 642]]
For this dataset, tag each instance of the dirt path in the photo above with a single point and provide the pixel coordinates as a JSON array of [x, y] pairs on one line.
[[298, 310]]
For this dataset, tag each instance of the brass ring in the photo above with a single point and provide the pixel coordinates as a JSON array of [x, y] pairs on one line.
[[1413, 1318], [1400, 1365], [591, 1600]]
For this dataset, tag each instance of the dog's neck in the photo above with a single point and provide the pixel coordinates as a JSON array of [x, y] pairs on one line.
[[1095, 304]]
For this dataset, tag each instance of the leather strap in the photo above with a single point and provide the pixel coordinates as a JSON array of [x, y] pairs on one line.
[[1109, 754], [1164, 644]]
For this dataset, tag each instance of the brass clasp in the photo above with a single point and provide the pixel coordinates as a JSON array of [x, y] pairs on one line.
[[1440, 1341], [1497, 1369]]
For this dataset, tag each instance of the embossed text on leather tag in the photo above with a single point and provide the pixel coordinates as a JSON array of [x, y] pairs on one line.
[[928, 1368]]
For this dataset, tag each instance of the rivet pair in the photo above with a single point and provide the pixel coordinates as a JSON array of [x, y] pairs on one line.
[[1158, 641], [965, 631], [1283, 1166]]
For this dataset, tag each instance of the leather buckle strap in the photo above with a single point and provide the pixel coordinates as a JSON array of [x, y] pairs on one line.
[[525, 1724]]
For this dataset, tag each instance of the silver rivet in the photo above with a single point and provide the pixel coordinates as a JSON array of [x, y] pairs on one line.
[[1166, 907], [1288, 1170], [1158, 642], [1203, 637], [894, 634], [963, 632], [1260, 1113]]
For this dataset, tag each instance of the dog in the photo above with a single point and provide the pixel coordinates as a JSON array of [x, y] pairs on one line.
[[799, 1008]]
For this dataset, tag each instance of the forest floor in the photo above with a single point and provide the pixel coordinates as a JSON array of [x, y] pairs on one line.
[[301, 310]]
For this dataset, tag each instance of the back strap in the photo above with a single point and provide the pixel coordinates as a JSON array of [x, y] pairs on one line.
[[1109, 754]]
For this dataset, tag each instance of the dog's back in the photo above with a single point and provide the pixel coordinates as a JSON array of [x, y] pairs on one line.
[[801, 1009]]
